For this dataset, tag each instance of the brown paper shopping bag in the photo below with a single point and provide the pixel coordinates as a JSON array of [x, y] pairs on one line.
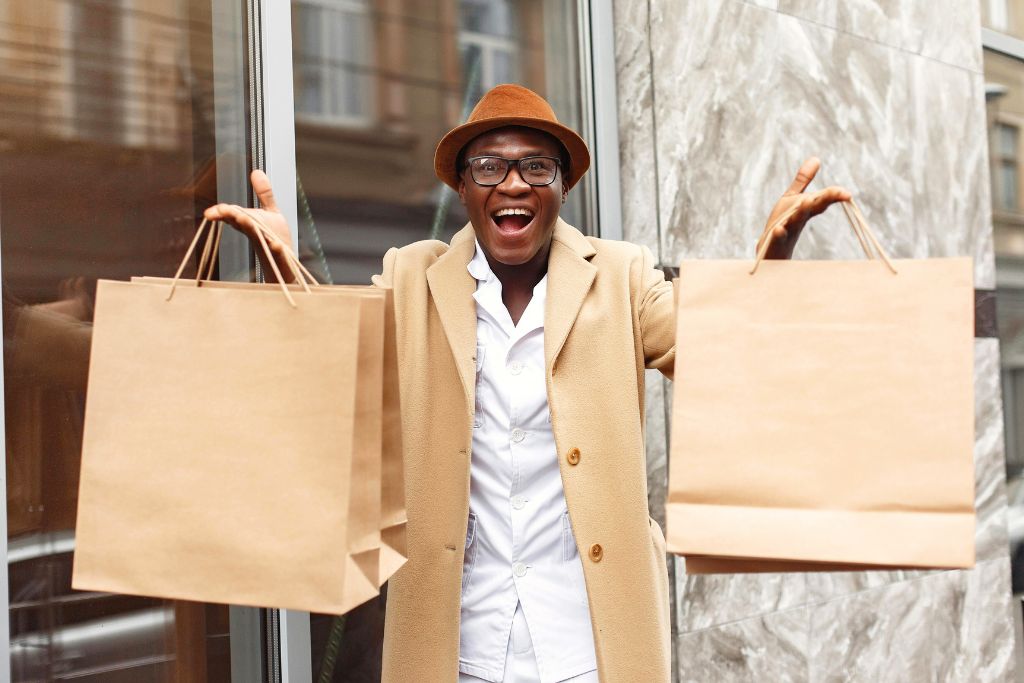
[[823, 414], [381, 458], [213, 468]]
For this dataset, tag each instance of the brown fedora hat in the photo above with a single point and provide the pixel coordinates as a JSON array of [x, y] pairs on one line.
[[509, 105]]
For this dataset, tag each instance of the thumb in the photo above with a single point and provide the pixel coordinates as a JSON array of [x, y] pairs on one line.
[[261, 186]]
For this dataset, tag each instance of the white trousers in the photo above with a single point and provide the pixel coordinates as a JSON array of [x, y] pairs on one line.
[[520, 661]]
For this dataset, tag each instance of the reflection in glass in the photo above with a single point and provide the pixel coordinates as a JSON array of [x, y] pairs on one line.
[[107, 156], [410, 71]]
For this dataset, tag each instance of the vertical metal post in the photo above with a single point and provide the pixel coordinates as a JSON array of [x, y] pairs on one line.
[[5, 621], [275, 94], [604, 105]]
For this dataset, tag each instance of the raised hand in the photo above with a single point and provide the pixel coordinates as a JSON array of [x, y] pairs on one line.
[[247, 221], [803, 207]]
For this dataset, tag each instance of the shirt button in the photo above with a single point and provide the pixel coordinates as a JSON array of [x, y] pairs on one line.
[[515, 367], [518, 435], [519, 569], [596, 552], [573, 456], [518, 502]]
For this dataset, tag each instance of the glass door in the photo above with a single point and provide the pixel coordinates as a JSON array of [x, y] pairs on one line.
[[120, 121]]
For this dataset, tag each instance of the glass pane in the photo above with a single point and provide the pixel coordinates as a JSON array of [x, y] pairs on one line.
[[1008, 185], [366, 185], [1006, 139], [493, 17], [120, 123], [366, 180]]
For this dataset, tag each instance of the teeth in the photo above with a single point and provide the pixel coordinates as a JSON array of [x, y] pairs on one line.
[[513, 212]]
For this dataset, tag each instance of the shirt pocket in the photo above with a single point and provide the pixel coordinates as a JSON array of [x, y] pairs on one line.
[[571, 562], [469, 558]]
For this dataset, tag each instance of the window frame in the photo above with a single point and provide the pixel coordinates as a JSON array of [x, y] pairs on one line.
[[367, 117]]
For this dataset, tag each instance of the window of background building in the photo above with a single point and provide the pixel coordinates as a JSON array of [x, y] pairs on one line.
[[333, 59], [998, 15], [1007, 167], [368, 187]]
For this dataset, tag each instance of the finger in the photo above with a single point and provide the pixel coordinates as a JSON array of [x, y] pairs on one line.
[[804, 176], [234, 215], [817, 202], [261, 186]]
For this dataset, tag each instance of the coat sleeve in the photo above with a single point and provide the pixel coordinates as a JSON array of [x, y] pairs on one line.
[[657, 314]]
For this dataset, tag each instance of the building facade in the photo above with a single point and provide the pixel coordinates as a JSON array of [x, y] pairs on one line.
[[121, 120]]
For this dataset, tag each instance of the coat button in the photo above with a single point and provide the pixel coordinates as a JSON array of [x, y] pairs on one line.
[[596, 552], [574, 456]]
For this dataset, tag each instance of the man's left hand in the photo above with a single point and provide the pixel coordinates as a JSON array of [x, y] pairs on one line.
[[787, 233]]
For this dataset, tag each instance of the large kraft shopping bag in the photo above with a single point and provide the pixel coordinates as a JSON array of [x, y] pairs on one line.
[[823, 414], [377, 465], [213, 467]]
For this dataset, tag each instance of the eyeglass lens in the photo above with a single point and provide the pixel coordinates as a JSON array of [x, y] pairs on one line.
[[533, 170]]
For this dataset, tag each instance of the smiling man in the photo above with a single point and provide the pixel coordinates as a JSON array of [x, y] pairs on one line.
[[522, 348]]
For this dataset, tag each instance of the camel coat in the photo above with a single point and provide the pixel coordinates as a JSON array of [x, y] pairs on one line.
[[609, 315]]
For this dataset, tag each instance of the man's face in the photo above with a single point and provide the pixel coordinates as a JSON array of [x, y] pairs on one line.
[[513, 238]]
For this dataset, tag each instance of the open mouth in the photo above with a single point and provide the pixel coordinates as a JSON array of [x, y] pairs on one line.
[[512, 220]]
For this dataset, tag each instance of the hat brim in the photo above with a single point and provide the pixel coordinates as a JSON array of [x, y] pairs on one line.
[[451, 144]]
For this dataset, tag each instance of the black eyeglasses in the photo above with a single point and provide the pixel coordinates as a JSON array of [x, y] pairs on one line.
[[536, 171]]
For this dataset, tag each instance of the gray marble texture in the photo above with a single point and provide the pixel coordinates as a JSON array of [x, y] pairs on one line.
[[656, 436], [989, 456], [638, 174], [947, 626], [719, 102], [772, 647], [936, 30]]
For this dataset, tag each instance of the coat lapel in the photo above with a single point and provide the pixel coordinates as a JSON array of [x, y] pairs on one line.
[[452, 287], [570, 275]]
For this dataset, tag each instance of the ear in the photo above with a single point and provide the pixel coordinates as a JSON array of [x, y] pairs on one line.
[[565, 192], [462, 191]]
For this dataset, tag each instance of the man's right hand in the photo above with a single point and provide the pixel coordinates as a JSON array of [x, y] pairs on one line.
[[245, 221]]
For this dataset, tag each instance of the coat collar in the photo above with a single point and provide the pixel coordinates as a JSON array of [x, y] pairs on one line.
[[570, 275]]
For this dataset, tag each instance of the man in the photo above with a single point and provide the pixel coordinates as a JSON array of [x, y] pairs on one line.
[[523, 346]]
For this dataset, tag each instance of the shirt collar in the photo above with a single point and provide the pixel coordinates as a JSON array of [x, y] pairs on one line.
[[479, 268]]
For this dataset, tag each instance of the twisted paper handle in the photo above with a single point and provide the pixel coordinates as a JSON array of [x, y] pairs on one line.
[[868, 242]]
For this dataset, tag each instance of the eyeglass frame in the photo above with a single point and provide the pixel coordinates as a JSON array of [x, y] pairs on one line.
[[508, 167]]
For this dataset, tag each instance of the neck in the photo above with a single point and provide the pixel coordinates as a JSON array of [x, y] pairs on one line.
[[523, 277]]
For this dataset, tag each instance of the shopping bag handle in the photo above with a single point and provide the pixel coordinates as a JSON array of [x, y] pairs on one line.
[[868, 242], [207, 259], [209, 253]]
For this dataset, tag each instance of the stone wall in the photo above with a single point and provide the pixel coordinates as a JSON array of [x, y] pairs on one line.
[[719, 102]]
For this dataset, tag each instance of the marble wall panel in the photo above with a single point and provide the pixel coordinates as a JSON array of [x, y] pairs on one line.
[[657, 445], [712, 98], [846, 101], [945, 31], [768, 648], [989, 459], [949, 166], [817, 11], [932, 29], [732, 132], [638, 174], [711, 600], [947, 626]]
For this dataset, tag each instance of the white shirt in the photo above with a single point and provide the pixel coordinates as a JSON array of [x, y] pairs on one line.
[[520, 549]]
